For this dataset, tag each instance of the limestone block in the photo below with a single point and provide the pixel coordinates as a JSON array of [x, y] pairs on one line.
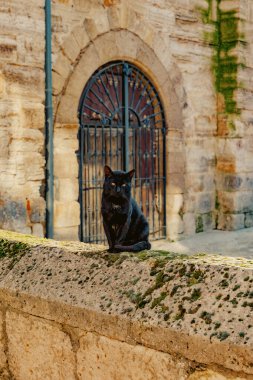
[[66, 131], [98, 25], [175, 141], [81, 36], [33, 166], [118, 16], [38, 210], [65, 164], [146, 56], [71, 48], [33, 115], [230, 222], [176, 164], [176, 184], [25, 145], [83, 71], [66, 143], [2, 343], [239, 202], [22, 229], [13, 214], [199, 158], [2, 84], [31, 49], [67, 112], [46, 350], [249, 220], [231, 147], [127, 43], [24, 81], [175, 226], [66, 233], [97, 356], [161, 47], [106, 47], [147, 34], [205, 125], [66, 189], [200, 182], [37, 230], [175, 203], [4, 142], [208, 221], [62, 65], [211, 375], [8, 48], [205, 202], [66, 214], [230, 182], [58, 83], [189, 223]]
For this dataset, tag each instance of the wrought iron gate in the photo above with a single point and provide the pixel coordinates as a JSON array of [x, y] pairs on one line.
[[122, 125]]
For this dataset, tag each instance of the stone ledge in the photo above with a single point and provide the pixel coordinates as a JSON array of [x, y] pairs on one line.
[[198, 307]]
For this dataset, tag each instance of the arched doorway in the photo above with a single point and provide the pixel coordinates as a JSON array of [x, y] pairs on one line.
[[122, 125]]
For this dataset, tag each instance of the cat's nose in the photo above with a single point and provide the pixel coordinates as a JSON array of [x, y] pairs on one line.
[[118, 189]]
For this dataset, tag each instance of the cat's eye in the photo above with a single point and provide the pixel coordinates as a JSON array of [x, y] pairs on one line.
[[124, 185], [113, 184]]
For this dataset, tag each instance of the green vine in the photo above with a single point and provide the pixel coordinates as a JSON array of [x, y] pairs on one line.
[[224, 39]]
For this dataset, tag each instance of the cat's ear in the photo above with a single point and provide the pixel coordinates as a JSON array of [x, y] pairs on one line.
[[131, 174], [108, 171]]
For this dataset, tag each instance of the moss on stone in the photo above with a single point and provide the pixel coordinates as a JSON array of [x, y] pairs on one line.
[[199, 226], [224, 38], [13, 250]]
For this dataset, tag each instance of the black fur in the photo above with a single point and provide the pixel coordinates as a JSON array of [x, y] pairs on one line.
[[125, 226]]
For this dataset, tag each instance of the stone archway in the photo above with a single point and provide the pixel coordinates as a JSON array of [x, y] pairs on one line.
[[114, 45]]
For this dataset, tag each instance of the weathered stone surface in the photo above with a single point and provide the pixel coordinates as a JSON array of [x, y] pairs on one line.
[[66, 214], [47, 352], [230, 222], [66, 190], [66, 165], [235, 201], [159, 314], [189, 223], [175, 203], [175, 226], [3, 344], [38, 230], [98, 355], [168, 42], [66, 233], [212, 375]]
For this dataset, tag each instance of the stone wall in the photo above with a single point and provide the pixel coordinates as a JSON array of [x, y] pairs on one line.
[[166, 40], [209, 171], [76, 312], [234, 129], [22, 115]]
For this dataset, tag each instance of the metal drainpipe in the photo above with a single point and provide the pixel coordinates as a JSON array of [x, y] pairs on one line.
[[49, 126]]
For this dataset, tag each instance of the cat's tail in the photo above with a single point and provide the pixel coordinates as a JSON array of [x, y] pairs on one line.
[[137, 247]]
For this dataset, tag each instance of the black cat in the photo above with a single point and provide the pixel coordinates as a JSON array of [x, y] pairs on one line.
[[125, 226]]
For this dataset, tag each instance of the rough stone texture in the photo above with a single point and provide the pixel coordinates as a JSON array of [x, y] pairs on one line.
[[52, 358], [21, 110], [2, 344], [101, 358], [206, 150], [156, 314]]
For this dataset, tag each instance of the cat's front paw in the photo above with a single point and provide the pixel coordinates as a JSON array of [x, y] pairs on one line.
[[110, 250], [119, 248]]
